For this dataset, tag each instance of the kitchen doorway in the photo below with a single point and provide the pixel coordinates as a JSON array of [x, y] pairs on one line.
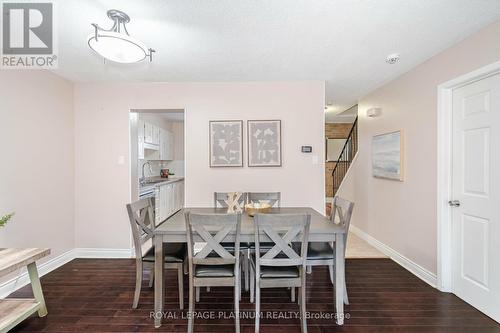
[[157, 152]]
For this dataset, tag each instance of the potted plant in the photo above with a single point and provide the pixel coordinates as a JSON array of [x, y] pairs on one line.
[[5, 219]]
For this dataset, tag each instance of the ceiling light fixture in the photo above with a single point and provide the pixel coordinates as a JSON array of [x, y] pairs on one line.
[[116, 44]]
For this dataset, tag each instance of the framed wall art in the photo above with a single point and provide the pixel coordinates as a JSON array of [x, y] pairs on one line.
[[264, 143], [226, 143], [387, 156]]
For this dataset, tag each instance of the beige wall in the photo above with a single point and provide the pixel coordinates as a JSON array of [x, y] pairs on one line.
[[37, 160], [402, 215], [102, 135], [62, 143]]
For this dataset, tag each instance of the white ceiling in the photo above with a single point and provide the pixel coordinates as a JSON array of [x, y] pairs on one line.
[[344, 42], [346, 116]]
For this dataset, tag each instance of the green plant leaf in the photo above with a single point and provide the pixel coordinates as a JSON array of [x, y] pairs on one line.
[[5, 219]]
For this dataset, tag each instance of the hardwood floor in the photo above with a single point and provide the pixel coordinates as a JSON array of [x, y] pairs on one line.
[[95, 295]]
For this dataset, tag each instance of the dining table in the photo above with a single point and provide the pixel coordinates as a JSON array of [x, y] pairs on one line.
[[322, 229]]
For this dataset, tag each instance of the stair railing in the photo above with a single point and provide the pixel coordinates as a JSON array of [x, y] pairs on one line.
[[345, 158]]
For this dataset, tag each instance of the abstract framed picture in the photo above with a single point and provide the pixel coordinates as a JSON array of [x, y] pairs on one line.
[[226, 143], [264, 143], [387, 156]]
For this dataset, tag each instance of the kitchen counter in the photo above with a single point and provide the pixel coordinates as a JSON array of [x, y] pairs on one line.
[[166, 196], [158, 181], [148, 189]]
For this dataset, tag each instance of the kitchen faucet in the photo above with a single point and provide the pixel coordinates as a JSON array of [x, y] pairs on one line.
[[143, 179]]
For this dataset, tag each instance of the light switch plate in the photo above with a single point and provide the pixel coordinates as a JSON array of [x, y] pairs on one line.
[[306, 149]]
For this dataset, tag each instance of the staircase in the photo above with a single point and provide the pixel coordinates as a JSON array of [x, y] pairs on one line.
[[345, 158]]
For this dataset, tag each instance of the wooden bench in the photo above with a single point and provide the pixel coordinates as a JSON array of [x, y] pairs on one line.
[[13, 311]]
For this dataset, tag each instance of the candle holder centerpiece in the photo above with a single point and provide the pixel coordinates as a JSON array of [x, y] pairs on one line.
[[257, 208]]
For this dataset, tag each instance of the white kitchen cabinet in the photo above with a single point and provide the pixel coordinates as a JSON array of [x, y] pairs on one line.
[[148, 132], [140, 139], [166, 145], [179, 195], [151, 134], [156, 135], [162, 143], [158, 141], [163, 208], [169, 200], [170, 146]]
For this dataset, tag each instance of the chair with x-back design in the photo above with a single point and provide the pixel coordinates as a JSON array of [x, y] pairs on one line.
[[323, 253], [271, 198], [221, 201], [142, 222], [213, 265], [281, 266]]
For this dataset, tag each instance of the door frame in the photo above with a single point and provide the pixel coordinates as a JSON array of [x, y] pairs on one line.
[[444, 167]]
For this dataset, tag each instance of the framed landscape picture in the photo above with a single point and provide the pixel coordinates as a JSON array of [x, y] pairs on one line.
[[387, 156], [264, 143], [226, 143]]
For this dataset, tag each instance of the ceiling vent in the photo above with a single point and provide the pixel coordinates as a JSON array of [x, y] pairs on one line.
[[392, 58]]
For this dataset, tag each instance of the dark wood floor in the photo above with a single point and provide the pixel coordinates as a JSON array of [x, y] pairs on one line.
[[89, 295]]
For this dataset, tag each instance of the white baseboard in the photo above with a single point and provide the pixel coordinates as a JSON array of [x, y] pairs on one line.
[[8, 287], [408, 264], [23, 279], [103, 253]]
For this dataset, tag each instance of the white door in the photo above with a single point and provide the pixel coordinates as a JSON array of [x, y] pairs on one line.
[[476, 189]]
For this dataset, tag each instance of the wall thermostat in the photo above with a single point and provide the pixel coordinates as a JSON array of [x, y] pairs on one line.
[[307, 149]]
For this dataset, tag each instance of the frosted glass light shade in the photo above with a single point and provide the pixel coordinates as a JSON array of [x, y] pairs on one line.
[[118, 47]]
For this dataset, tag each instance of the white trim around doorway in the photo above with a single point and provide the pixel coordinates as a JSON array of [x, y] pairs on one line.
[[444, 159]]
